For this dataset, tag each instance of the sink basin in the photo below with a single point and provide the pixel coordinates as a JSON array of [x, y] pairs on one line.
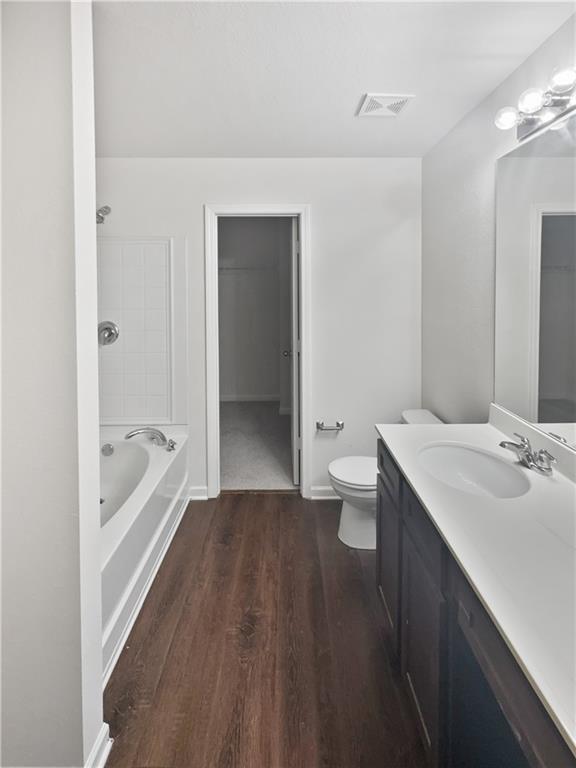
[[473, 470]]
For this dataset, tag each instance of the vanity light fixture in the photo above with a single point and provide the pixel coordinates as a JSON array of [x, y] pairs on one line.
[[563, 80], [537, 107], [531, 101], [506, 118]]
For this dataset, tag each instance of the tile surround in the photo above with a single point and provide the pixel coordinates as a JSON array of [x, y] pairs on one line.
[[134, 292]]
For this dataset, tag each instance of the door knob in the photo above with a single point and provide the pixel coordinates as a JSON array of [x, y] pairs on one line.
[[287, 353]]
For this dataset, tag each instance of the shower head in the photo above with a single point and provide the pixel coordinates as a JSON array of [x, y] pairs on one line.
[[101, 213]]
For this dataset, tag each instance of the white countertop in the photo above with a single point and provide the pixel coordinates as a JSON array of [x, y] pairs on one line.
[[519, 555]]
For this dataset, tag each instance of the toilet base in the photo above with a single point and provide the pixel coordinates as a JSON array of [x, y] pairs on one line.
[[357, 527]]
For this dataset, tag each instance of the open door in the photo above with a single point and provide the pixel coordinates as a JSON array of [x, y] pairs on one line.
[[295, 356]]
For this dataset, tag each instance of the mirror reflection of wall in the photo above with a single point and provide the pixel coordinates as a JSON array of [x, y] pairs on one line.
[[535, 313]]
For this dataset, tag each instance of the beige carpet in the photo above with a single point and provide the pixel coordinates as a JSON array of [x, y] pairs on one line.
[[255, 451]]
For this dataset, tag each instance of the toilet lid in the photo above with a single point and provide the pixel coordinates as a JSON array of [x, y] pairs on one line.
[[355, 471]]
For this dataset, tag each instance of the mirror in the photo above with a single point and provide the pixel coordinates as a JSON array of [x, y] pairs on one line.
[[535, 310]]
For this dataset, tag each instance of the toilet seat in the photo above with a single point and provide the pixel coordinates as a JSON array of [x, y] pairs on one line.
[[355, 472]]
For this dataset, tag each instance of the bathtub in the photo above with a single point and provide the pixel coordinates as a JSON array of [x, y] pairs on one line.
[[143, 496]]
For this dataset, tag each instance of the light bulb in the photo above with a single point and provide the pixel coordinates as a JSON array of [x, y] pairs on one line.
[[531, 101], [506, 118], [547, 116], [563, 80]]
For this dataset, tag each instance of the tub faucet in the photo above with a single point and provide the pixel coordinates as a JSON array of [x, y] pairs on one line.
[[541, 460], [157, 437]]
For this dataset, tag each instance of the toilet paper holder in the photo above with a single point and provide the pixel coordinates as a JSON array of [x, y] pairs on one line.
[[321, 427]]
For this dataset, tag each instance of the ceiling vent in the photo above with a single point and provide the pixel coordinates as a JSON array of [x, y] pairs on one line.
[[383, 104]]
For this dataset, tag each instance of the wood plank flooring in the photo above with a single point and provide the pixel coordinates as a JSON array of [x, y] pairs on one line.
[[260, 646]]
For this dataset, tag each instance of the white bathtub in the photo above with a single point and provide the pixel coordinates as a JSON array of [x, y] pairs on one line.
[[120, 474], [143, 487]]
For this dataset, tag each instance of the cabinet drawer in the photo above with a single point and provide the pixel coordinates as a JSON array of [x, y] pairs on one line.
[[389, 472], [535, 732], [424, 534]]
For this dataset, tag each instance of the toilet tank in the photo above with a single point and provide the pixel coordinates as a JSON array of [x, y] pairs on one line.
[[420, 416]]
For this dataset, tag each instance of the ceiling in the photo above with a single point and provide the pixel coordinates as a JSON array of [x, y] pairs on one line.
[[281, 79]]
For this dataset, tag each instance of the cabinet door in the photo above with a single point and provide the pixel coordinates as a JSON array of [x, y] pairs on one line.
[[424, 618], [498, 692], [388, 560]]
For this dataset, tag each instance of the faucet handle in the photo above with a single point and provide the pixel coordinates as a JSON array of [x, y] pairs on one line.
[[523, 440], [545, 459]]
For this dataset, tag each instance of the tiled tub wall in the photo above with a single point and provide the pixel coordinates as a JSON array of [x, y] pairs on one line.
[[134, 291]]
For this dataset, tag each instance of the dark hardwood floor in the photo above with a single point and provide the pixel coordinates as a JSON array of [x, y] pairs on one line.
[[260, 646]]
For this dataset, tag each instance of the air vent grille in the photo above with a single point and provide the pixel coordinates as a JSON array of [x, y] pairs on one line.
[[383, 104]]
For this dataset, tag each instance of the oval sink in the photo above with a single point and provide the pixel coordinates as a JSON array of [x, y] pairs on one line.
[[473, 470]]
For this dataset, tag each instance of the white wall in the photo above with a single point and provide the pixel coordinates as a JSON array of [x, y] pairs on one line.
[[365, 221], [252, 306], [51, 649], [458, 238]]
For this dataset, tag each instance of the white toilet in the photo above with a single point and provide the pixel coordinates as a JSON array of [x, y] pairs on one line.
[[354, 480]]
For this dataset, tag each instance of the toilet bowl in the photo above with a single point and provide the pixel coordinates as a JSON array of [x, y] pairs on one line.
[[354, 480]]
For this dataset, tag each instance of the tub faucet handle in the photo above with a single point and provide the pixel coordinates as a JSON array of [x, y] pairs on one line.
[[157, 437], [171, 445]]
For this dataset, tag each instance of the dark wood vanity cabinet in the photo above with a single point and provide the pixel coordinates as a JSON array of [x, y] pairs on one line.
[[409, 567], [423, 646], [389, 543], [492, 704], [473, 704], [424, 622], [388, 531]]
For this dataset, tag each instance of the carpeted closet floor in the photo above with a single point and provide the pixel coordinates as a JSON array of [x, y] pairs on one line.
[[255, 449]]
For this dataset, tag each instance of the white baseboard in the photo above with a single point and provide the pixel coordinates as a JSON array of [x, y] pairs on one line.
[[249, 398], [197, 492], [135, 593], [101, 749], [322, 492]]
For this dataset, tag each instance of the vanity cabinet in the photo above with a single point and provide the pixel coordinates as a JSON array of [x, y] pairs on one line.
[[388, 551], [472, 702], [423, 646], [423, 622], [531, 739]]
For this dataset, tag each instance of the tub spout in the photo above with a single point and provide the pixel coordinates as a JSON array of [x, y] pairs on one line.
[[157, 437]]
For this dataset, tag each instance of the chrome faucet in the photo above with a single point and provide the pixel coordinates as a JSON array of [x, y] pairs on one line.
[[157, 437], [541, 461]]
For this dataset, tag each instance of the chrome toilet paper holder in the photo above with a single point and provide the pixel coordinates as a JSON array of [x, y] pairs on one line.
[[321, 427]]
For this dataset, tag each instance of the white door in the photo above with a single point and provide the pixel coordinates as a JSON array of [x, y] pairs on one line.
[[295, 356]]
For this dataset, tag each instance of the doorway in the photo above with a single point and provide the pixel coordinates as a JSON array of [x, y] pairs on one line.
[[256, 321], [557, 333]]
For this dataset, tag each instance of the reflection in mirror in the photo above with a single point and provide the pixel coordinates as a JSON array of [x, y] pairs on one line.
[[557, 339], [535, 319]]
